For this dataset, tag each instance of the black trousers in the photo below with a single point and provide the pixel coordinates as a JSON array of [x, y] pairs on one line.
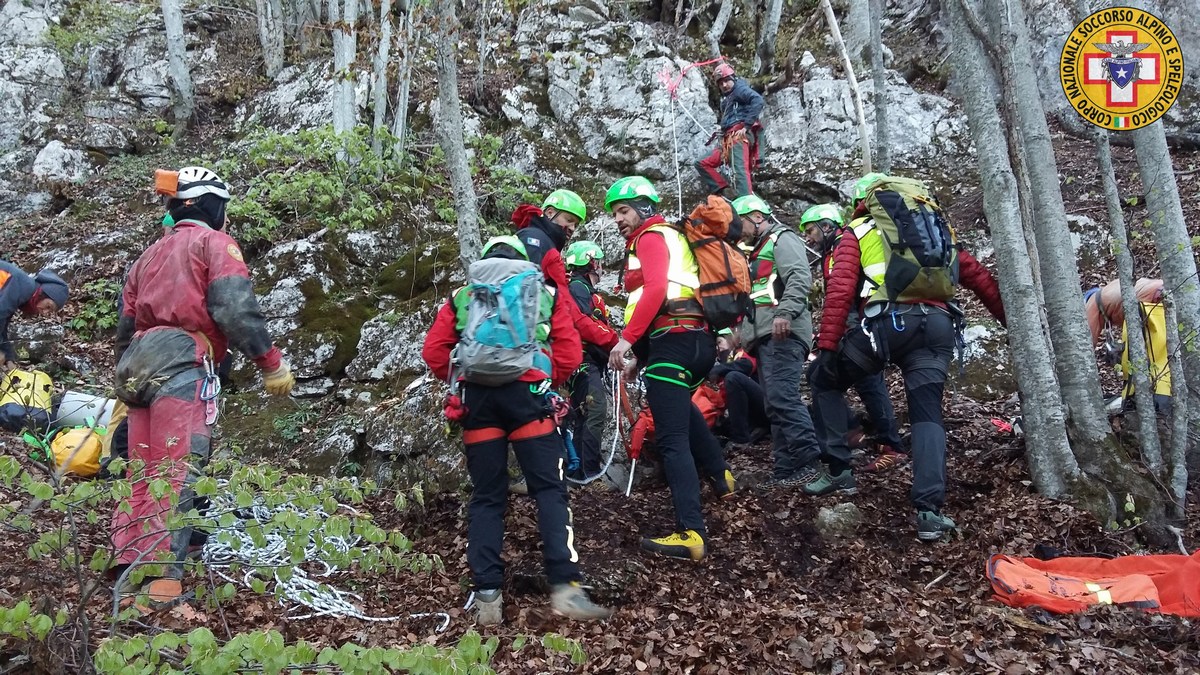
[[676, 364], [746, 406], [495, 417], [920, 340], [589, 412]]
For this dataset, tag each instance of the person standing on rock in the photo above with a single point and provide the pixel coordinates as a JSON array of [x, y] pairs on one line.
[[665, 330], [515, 405], [589, 402], [738, 131], [41, 294], [900, 264], [187, 299], [823, 227], [778, 334]]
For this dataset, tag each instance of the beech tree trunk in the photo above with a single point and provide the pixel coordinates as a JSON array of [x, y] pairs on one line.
[[1136, 340], [864, 138], [717, 30], [408, 44], [764, 56], [181, 75], [858, 29], [379, 81], [1176, 256], [883, 150], [450, 134], [343, 15], [1177, 456], [270, 34], [1074, 360], [1051, 462]]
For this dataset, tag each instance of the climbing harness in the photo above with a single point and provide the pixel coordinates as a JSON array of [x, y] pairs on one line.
[[235, 547]]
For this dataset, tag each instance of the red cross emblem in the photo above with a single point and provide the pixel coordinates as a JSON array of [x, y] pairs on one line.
[[1121, 69]]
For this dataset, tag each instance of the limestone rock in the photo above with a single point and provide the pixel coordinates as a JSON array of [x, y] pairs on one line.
[[107, 138], [302, 98], [390, 345], [58, 164], [838, 521], [37, 340]]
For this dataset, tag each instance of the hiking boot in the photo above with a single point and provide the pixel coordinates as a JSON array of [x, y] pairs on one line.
[[799, 479], [571, 601], [826, 483], [726, 485], [155, 595], [857, 440], [488, 606], [518, 486], [931, 525], [888, 459], [758, 434], [686, 545]]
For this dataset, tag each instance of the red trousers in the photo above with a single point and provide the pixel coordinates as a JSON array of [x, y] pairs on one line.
[[741, 162], [171, 437]]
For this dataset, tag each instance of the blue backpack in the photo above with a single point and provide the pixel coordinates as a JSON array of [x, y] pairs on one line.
[[505, 330]]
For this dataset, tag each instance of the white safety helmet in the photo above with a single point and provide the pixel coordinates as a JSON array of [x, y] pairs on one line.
[[197, 180]]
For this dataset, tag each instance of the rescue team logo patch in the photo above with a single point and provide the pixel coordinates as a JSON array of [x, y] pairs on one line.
[[1121, 68], [234, 252]]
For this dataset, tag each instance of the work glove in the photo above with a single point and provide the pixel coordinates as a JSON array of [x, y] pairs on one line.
[[824, 367], [279, 382]]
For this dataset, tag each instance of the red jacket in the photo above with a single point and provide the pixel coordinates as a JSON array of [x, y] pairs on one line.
[[846, 276], [194, 279], [655, 258], [566, 351]]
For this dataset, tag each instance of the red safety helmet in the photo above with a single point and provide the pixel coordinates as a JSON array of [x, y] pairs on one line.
[[722, 71]]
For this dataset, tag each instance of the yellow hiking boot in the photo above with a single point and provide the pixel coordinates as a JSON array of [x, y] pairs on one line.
[[686, 545]]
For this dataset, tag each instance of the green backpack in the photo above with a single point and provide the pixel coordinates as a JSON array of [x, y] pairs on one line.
[[919, 247]]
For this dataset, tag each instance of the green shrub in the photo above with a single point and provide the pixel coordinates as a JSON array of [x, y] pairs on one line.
[[99, 313]]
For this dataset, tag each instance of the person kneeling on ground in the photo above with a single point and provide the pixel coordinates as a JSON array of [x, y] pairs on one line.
[[736, 373], [512, 409]]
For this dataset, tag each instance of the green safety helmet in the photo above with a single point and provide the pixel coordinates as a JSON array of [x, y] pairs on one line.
[[630, 187], [507, 240], [565, 200], [749, 203], [861, 185], [727, 332], [582, 253], [821, 212]]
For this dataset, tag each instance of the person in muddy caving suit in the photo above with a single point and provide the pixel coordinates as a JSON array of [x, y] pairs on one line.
[[187, 300]]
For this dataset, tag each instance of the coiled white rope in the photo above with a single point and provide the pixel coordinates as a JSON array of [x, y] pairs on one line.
[[235, 546], [615, 392]]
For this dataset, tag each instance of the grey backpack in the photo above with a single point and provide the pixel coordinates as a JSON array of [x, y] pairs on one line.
[[499, 342]]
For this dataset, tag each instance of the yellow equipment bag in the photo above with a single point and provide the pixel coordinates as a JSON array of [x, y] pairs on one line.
[[1154, 330], [29, 388], [78, 450]]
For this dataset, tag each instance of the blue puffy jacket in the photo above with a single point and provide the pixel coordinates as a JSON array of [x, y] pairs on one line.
[[742, 105]]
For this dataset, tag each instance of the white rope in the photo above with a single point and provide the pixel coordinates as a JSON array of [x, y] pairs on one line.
[[234, 546], [614, 391], [675, 142]]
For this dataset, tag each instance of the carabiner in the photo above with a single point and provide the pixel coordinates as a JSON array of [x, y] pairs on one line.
[[897, 322]]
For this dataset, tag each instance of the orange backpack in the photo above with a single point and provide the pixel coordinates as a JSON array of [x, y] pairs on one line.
[[724, 291]]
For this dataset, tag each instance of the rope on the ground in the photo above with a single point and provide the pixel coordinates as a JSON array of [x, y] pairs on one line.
[[234, 546], [614, 390]]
